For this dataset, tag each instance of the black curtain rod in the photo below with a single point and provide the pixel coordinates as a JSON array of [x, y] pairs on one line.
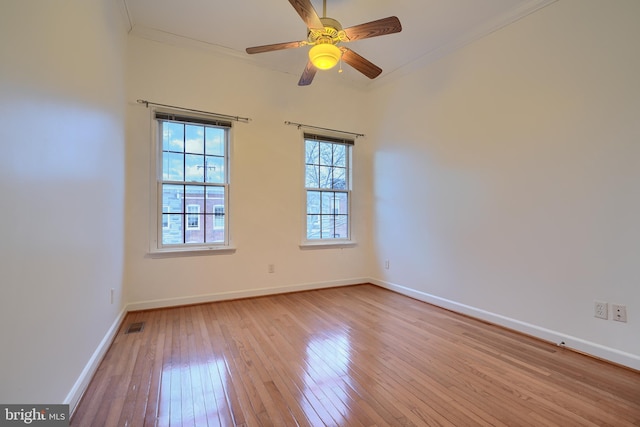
[[300, 125], [236, 118]]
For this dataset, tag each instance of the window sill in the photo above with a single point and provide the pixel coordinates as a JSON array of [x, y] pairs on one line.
[[184, 252], [328, 244]]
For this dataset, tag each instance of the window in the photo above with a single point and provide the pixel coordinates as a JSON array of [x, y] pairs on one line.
[[328, 188], [192, 182], [193, 217], [218, 221]]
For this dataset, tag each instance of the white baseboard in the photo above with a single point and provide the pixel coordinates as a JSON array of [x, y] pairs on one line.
[[91, 367], [222, 296], [610, 354]]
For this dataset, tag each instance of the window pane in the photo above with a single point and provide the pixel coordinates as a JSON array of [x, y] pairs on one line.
[[172, 166], [215, 169], [195, 195], [194, 205], [172, 197], [339, 155], [194, 168], [166, 223], [328, 226], [341, 230], [215, 226], [326, 153], [194, 232], [215, 229], [326, 176], [341, 203], [214, 141], [218, 217], [172, 136], [313, 226], [195, 139], [327, 202], [312, 176], [194, 220], [215, 197], [339, 181], [313, 202], [311, 152], [173, 234]]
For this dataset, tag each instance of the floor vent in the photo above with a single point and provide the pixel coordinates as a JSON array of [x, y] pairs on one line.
[[134, 328]]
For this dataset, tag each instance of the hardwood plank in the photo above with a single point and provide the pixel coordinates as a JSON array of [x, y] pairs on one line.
[[353, 356], [150, 416]]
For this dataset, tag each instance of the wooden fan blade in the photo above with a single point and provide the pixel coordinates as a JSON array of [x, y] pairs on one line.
[[307, 75], [307, 13], [272, 47], [365, 66], [377, 28]]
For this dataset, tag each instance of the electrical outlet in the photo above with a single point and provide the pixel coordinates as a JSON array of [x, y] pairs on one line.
[[619, 312], [111, 295], [601, 310], [386, 264], [271, 268]]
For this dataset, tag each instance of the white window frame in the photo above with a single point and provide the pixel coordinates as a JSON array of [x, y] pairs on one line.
[[348, 240], [156, 248]]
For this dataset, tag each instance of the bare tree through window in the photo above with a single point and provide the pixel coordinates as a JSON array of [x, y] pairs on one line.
[[327, 183]]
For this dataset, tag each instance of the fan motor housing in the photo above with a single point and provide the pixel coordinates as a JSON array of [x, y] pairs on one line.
[[332, 30]]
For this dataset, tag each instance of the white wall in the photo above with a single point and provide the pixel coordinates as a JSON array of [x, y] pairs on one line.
[[267, 198], [61, 191], [507, 177]]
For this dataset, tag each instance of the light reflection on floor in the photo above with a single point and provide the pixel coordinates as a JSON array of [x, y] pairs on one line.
[[212, 374], [200, 389], [327, 374]]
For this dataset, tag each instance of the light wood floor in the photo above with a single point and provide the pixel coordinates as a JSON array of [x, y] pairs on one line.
[[351, 356]]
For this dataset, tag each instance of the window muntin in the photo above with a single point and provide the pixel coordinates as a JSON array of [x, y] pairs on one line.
[[192, 182], [328, 189]]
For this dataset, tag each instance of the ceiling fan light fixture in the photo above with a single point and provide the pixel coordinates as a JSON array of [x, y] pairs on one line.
[[325, 55], [323, 37]]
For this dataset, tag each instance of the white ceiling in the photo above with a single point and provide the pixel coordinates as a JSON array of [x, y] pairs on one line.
[[430, 29]]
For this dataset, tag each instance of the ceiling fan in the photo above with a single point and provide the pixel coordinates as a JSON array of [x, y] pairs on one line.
[[325, 35]]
